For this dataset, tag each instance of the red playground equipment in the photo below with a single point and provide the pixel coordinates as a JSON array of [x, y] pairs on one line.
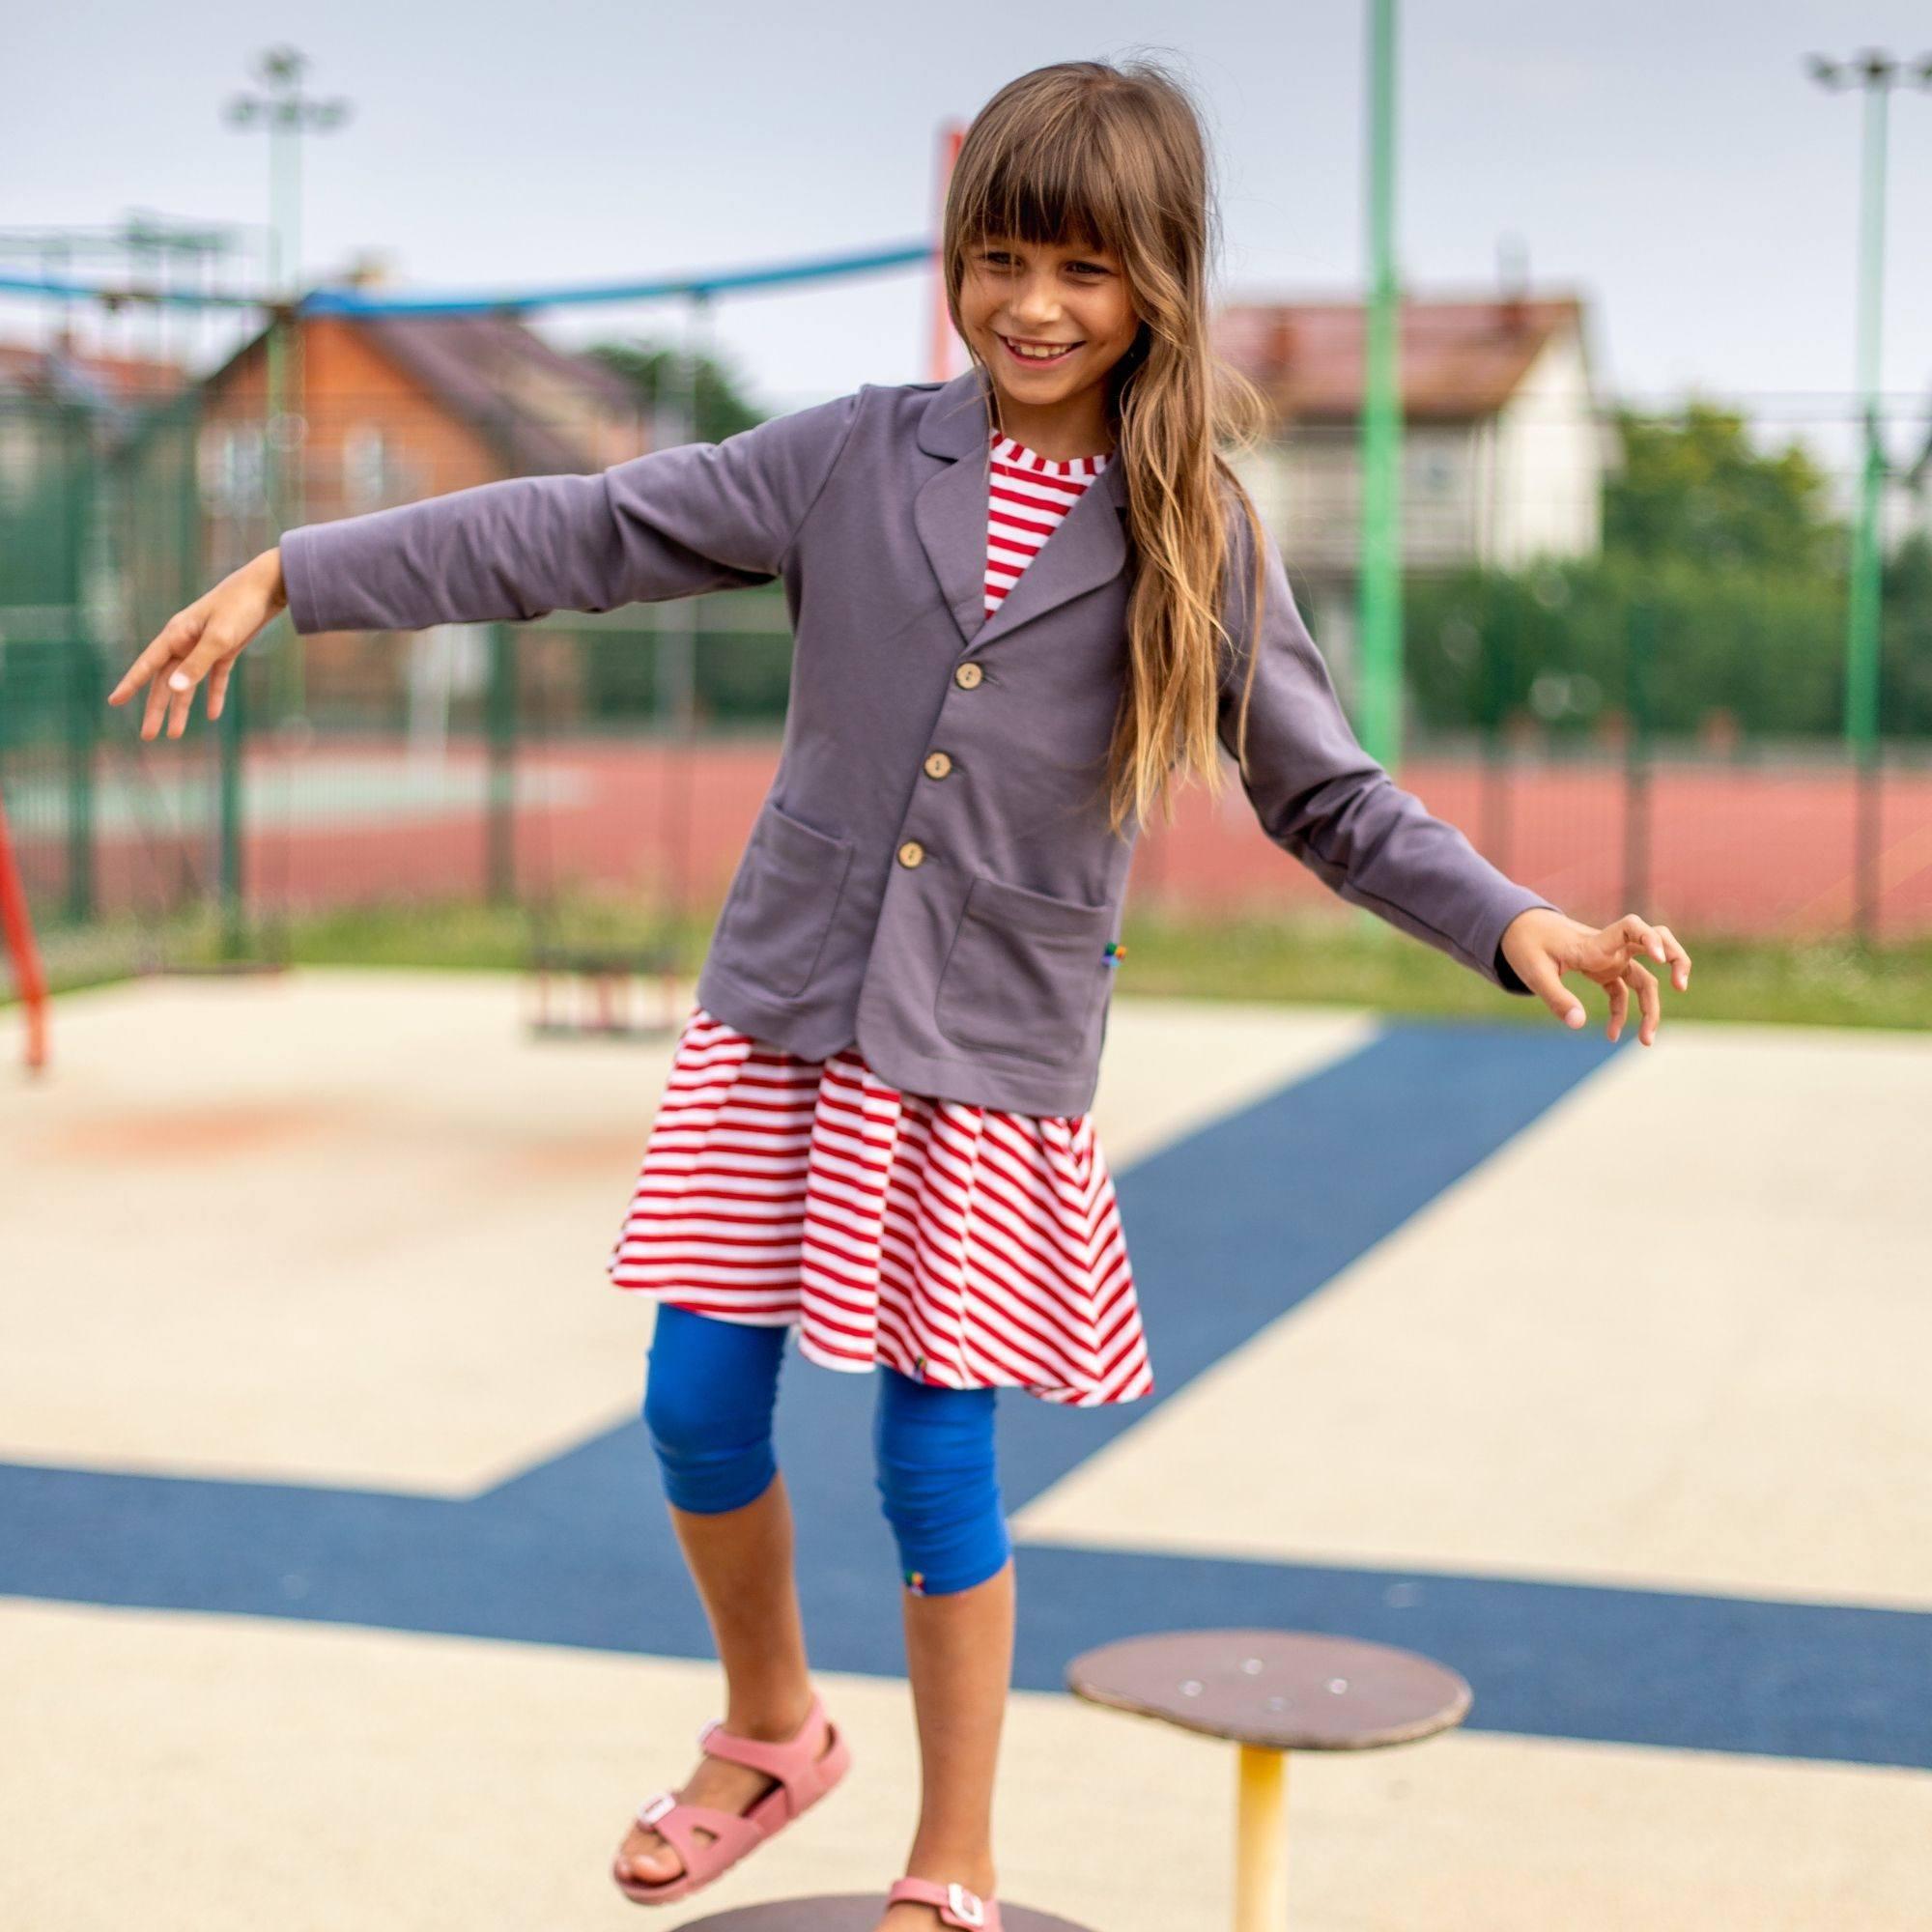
[[18, 930]]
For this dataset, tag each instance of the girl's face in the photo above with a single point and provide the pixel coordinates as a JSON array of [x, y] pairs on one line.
[[1019, 298]]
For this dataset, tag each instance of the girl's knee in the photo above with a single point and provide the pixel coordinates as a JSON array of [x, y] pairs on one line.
[[938, 1482], [707, 1409]]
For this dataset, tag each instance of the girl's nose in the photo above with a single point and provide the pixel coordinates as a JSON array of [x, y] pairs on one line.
[[1035, 302]]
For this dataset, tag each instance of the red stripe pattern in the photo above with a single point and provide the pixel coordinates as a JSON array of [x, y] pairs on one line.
[[1026, 497], [960, 1244]]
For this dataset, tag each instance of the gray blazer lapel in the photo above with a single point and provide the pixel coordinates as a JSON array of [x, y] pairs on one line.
[[1087, 547]]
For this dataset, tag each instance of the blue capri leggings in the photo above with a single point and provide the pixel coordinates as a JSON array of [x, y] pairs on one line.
[[708, 1404]]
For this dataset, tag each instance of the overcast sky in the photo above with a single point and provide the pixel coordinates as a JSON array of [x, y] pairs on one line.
[[1670, 162]]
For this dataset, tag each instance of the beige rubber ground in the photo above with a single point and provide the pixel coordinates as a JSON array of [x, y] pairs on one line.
[[292, 1230]]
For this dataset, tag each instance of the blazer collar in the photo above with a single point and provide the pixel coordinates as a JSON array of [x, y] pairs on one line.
[[1087, 547]]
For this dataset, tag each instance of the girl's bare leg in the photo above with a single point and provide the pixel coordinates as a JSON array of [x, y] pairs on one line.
[[741, 1561], [959, 1653]]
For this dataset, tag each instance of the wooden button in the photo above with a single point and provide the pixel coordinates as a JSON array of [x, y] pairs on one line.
[[911, 853], [967, 675], [937, 764]]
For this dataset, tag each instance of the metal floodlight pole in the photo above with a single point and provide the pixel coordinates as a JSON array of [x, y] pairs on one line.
[[1875, 73], [288, 113], [1380, 562]]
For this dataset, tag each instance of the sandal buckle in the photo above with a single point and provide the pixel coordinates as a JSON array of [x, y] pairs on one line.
[[965, 1905], [650, 1813]]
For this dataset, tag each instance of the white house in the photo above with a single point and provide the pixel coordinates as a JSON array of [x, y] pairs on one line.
[[1505, 451]]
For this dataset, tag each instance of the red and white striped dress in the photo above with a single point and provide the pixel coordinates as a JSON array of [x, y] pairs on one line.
[[961, 1244]]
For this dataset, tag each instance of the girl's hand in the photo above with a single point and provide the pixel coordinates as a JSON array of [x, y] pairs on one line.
[[202, 640], [1543, 945]]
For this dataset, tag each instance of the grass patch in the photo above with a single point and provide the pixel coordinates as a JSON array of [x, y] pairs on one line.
[[1350, 960]]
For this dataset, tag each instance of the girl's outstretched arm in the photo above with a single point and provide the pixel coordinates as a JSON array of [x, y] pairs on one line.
[[674, 523], [1322, 798]]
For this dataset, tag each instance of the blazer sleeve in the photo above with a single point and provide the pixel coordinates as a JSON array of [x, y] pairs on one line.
[[673, 522], [1323, 799]]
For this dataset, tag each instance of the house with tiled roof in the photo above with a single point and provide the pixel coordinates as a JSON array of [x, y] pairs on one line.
[[396, 407], [1504, 452], [393, 409]]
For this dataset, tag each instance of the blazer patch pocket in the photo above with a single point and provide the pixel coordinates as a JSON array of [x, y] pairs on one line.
[[1024, 973], [782, 902]]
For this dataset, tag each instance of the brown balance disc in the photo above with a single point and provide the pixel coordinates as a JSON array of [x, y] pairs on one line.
[[1281, 1689], [852, 1911], [1271, 1693]]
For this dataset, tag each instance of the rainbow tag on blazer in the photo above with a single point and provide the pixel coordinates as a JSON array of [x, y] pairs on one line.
[[1115, 952]]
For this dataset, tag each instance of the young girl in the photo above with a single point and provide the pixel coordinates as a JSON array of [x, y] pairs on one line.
[[938, 871]]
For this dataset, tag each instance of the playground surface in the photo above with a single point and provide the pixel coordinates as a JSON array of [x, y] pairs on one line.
[[336, 1587]]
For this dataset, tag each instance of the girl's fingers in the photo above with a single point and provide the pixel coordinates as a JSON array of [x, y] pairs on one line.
[[215, 645], [181, 703], [217, 686], [1539, 974], [193, 644], [1679, 961], [160, 652], [215, 649], [1636, 935], [157, 707], [1644, 984], [1619, 1007], [175, 640]]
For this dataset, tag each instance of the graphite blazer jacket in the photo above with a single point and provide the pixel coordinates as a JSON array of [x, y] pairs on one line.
[[931, 872]]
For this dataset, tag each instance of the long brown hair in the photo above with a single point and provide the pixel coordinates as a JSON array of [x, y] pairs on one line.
[[1088, 153]]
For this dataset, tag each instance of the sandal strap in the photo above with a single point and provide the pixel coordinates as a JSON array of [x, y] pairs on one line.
[[956, 1905], [786, 1761], [677, 1821]]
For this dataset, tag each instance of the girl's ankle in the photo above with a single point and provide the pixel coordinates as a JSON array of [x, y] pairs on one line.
[[775, 1722], [974, 1869]]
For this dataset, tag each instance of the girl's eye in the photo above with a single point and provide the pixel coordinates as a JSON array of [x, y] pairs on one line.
[[996, 258]]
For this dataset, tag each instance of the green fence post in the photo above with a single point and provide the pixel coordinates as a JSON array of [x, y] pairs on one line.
[[501, 728], [1639, 649], [80, 736], [71, 692], [1498, 674], [228, 739]]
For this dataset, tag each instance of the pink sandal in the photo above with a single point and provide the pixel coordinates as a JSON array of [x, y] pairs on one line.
[[803, 1778], [956, 1905]]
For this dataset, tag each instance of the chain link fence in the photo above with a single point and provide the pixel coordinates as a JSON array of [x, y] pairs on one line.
[[624, 755]]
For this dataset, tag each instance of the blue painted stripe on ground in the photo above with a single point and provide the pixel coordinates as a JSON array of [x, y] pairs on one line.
[[1700, 1672], [1673, 1669], [1237, 1224], [1229, 1229]]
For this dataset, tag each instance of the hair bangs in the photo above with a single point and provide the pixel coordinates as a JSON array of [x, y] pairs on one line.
[[1055, 191]]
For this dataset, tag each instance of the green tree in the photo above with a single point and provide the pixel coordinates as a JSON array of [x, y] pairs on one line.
[[721, 407], [1905, 700], [1554, 644], [1694, 486]]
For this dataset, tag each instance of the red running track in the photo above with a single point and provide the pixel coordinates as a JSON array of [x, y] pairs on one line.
[[1743, 849]]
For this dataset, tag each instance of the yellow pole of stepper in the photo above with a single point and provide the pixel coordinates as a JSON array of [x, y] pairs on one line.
[[1261, 1839]]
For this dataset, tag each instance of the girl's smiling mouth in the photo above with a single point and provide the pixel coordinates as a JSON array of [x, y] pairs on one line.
[[1037, 355]]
